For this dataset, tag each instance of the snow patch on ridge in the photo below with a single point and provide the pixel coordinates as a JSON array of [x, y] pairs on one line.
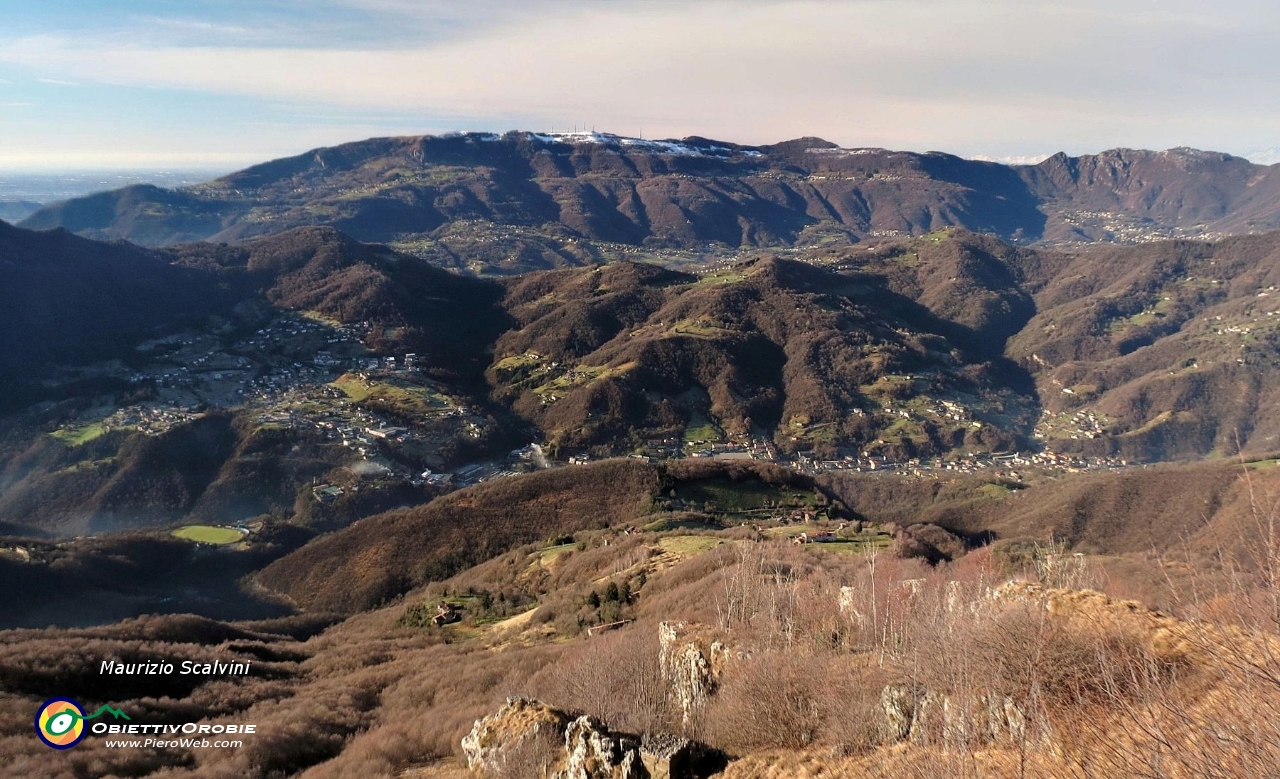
[[838, 152], [677, 148]]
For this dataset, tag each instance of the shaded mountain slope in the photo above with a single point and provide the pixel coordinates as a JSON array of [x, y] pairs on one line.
[[16, 210], [65, 299], [218, 467], [412, 306], [1203, 508], [143, 213], [68, 300]]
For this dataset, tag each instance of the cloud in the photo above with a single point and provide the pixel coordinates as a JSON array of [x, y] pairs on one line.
[[199, 28], [994, 77], [58, 82]]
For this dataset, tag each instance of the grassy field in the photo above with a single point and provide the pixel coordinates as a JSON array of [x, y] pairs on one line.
[[994, 490], [550, 553], [688, 546], [699, 328], [682, 524], [76, 435], [88, 465], [354, 388], [721, 277], [821, 432], [409, 398], [853, 545], [516, 362], [208, 534], [701, 429], [316, 316], [857, 544], [584, 374]]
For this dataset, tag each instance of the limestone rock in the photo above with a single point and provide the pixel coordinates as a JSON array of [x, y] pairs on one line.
[[1005, 720], [529, 738], [691, 663], [899, 706], [494, 739], [592, 752], [926, 717], [673, 757]]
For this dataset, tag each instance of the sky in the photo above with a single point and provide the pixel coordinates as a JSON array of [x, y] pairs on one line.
[[220, 84]]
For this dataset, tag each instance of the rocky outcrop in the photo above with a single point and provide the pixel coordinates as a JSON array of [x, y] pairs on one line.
[[925, 717], [691, 663], [496, 740], [673, 757], [899, 707], [530, 738], [592, 752]]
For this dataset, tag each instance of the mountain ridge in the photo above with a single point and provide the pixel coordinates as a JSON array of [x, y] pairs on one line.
[[524, 201]]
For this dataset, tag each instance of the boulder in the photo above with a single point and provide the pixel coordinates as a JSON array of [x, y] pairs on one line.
[[592, 752], [495, 740], [673, 757]]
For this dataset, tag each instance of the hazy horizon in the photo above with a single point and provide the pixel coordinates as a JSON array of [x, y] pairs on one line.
[[50, 186]]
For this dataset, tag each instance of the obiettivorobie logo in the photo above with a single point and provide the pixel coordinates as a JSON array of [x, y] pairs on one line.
[[60, 721], [61, 724]]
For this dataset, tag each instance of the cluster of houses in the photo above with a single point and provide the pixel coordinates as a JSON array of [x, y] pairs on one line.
[[480, 472], [151, 420], [816, 537], [327, 493], [754, 448], [1082, 424], [968, 463], [1124, 228]]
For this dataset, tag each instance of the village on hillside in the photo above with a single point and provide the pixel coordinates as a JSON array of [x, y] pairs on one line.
[[305, 373]]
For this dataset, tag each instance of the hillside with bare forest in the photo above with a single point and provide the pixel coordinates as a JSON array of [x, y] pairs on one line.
[[654, 637]]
